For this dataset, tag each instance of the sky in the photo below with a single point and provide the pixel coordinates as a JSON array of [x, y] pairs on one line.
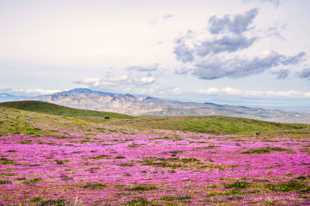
[[241, 52]]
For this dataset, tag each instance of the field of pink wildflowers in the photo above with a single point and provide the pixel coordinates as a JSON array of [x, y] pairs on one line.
[[164, 168]]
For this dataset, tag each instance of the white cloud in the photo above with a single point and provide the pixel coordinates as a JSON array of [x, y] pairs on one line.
[[254, 93], [128, 78], [28, 92], [236, 24], [274, 2], [237, 67], [305, 73], [225, 53]]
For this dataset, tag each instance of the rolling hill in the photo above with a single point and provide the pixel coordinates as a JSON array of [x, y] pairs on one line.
[[41, 118], [54, 109]]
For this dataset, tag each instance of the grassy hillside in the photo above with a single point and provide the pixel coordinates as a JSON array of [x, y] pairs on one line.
[[217, 125], [39, 118], [53, 109]]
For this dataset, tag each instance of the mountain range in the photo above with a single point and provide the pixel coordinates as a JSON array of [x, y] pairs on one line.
[[10, 97], [84, 98]]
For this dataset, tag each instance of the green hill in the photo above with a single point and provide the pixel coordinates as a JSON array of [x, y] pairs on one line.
[[53, 109], [41, 118], [217, 125]]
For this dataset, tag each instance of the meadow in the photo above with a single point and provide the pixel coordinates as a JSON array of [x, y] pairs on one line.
[[54, 155]]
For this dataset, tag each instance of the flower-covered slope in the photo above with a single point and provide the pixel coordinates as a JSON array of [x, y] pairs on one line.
[[158, 168]]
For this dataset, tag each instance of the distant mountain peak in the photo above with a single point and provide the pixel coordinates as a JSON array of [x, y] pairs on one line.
[[81, 90], [86, 98]]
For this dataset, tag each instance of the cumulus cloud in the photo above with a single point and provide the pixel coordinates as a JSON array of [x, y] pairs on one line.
[[305, 73], [220, 56], [224, 44], [281, 74], [294, 59], [228, 35], [182, 52], [215, 68], [134, 76], [236, 24]]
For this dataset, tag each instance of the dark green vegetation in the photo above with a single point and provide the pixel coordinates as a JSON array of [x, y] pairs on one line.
[[238, 189], [263, 150], [4, 182], [294, 185], [183, 163], [164, 200], [61, 162], [183, 198], [53, 109], [298, 185], [53, 202], [238, 185], [94, 186], [40, 118], [32, 181], [138, 202], [6, 161], [41, 202], [141, 187]]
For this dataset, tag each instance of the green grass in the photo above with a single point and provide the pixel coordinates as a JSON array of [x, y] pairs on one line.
[[39, 201], [263, 150], [53, 109], [32, 181], [58, 121], [39, 118], [94, 186], [6, 161], [231, 192], [292, 185], [182, 163], [217, 125], [238, 185], [59, 202], [13, 121], [7, 174], [141, 187], [138, 202], [170, 198], [299, 185]]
